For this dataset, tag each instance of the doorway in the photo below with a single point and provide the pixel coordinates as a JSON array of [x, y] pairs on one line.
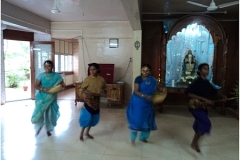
[[17, 70], [40, 52]]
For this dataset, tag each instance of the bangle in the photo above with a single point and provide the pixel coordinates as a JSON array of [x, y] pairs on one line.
[[142, 96]]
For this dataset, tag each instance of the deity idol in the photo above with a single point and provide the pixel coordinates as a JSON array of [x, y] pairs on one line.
[[189, 68], [189, 63]]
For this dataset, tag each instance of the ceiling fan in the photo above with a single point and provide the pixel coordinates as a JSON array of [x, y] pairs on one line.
[[55, 8], [213, 6]]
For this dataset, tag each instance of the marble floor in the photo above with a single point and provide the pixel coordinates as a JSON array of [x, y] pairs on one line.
[[14, 94], [170, 142]]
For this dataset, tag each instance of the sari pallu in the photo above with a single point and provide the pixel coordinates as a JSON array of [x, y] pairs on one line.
[[46, 107], [140, 114]]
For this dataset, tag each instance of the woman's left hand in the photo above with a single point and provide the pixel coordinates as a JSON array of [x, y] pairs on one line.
[[104, 94], [149, 98]]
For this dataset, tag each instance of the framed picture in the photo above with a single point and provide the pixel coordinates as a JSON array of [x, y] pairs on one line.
[[113, 43]]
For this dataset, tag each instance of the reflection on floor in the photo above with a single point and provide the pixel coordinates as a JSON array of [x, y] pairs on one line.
[[13, 94], [170, 142]]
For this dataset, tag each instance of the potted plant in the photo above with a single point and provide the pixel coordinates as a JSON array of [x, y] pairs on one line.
[[25, 77], [25, 87], [13, 80]]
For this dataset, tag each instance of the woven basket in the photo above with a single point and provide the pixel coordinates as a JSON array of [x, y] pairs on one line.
[[161, 93], [160, 96], [55, 89]]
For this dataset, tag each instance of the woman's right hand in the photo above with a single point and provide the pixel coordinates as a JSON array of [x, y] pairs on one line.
[[209, 102], [62, 84], [86, 92]]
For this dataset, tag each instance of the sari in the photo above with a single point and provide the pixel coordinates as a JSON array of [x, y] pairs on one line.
[[140, 113], [89, 115], [46, 107], [202, 124]]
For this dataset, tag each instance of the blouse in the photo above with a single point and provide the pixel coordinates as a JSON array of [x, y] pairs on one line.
[[202, 88], [94, 84]]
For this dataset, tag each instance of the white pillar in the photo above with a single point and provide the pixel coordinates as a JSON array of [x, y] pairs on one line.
[[2, 83], [82, 64], [137, 54]]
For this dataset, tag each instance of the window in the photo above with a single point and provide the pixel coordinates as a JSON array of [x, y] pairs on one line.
[[69, 63], [63, 63], [56, 63]]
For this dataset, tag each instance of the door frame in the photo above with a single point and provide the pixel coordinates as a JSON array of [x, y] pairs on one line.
[[32, 68]]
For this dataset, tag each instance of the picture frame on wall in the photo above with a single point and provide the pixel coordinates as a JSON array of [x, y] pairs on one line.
[[113, 43]]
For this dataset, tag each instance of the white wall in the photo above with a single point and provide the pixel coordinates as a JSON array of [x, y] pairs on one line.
[[96, 36], [67, 79], [42, 37]]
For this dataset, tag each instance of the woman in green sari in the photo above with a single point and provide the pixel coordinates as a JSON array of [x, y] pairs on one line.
[[46, 107]]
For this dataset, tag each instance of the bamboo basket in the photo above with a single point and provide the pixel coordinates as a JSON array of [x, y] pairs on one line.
[[55, 89]]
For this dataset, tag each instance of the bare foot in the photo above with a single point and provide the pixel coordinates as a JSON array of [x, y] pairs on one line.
[[144, 140], [81, 138], [89, 136], [133, 143], [49, 134], [195, 148], [38, 131]]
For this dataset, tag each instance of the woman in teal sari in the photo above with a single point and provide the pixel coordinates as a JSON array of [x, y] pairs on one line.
[[46, 107], [140, 113]]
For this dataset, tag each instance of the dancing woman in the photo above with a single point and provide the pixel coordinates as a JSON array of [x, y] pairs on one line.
[[140, 113], [92, 88], [46, 107], [200, 91]]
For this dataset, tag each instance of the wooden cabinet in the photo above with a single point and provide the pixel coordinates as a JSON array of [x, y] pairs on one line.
[[107, 72], [115, 94], [78, 95]]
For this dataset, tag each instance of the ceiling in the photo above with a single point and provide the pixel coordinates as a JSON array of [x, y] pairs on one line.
[[169, 9], [113, 10], [121, 10], [75, 10]]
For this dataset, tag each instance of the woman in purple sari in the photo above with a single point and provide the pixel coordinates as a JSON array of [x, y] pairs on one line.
[[200, 92], [140, 113]]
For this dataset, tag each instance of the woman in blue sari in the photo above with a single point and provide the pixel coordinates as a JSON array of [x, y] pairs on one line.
[[46, 107], [140, 113]]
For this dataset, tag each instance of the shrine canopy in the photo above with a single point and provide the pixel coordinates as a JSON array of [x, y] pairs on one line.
[[196, 39]]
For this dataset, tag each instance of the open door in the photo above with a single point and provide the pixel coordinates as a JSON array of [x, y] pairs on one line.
[[40, 52]]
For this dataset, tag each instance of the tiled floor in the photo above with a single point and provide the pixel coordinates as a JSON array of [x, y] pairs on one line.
[[170, 142]]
